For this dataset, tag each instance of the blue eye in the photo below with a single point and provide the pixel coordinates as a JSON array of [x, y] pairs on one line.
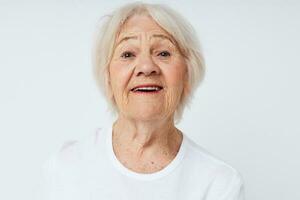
[[127, 54], [164, 53]]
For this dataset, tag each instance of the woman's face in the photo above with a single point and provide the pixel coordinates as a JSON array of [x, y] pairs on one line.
[[147, 71]]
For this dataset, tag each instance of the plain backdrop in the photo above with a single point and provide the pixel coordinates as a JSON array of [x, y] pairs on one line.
[[245, 112]]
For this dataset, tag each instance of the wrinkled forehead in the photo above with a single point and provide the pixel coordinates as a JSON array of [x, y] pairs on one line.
[[148, 36], [138, 26], [142, 27]]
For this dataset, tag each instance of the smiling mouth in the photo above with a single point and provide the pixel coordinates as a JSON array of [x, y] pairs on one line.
[[147, 89]]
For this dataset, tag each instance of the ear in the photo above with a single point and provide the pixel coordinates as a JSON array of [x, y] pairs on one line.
[[108, 86], [187, 86], [186, 89]]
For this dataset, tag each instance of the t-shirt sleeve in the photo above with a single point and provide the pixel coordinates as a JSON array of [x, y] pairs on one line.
[[52, 186], [55, 185], [235, 189], [228, 184]]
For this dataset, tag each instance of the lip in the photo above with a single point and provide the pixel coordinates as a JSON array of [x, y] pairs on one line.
[[148, 85]]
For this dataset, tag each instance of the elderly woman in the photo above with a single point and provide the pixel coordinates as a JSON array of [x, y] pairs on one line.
[[148, 64]]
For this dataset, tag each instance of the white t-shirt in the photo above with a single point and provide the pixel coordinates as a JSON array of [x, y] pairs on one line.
[[89, 170]]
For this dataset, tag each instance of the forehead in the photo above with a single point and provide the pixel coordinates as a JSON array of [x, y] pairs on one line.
[[142, 26], [141, 23]]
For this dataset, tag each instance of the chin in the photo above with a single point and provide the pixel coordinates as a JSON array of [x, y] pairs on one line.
[[146, 114]]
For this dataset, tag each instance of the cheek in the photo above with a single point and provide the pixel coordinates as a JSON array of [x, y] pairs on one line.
[[175, 75], [119, 77]]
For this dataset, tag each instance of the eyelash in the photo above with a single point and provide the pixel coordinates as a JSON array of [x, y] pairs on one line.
[[166, 52], [125, 54]]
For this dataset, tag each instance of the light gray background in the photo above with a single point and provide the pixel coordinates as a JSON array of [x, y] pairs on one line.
[[246, 111]]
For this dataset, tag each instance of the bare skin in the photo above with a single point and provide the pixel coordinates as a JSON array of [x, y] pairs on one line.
[[145, 139], [144, 148]]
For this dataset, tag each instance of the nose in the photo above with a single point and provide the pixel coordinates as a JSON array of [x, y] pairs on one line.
[[146, 66]]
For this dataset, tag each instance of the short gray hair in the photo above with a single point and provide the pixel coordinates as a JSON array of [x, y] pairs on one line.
[[172, 22]]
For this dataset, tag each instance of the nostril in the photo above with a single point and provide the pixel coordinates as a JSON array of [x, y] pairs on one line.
[[147, 71]]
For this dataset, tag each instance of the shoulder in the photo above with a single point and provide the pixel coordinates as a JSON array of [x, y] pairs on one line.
[[67, 165], [222, 180], [72, 152], [200, 154], [222, 175]]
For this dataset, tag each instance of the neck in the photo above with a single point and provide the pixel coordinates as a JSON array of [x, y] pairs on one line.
[[143, 139]]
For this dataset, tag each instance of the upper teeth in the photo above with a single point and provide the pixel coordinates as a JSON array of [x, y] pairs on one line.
[[147, 88]]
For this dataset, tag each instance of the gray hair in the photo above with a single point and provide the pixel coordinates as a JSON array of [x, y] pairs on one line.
[[172, 22]]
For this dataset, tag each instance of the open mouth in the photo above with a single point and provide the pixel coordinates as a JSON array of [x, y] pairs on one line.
[[147, 89]]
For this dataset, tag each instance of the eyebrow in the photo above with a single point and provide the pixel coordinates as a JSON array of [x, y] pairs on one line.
[[163, 37], [126, 38]]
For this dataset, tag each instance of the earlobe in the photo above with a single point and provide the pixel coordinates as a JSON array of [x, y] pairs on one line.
[[187, 86], [108, 87], [187, 89]]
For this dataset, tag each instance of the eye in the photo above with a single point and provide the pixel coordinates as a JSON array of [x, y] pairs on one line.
[[164, 54], [127, 54]]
